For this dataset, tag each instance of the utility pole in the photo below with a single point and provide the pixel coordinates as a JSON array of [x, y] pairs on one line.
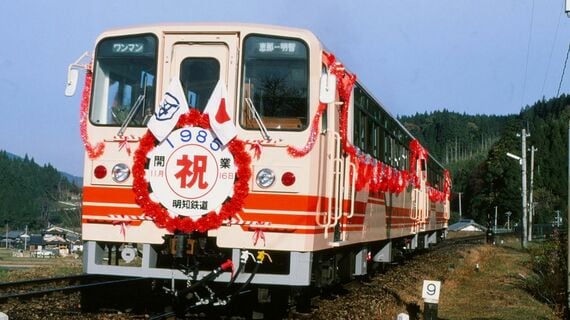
[[530, 199], [495, 219], [522, 162], [523, 174], [460, 193], [567, 6], [524, 204], [26, 238]]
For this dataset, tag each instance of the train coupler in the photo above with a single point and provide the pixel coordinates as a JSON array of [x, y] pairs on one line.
[[228, 265]]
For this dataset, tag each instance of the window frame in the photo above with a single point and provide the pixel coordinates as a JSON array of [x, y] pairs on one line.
[[242, 104], [96, 74]]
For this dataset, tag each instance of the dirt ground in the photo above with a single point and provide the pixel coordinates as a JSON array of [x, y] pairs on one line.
[[478, 281]]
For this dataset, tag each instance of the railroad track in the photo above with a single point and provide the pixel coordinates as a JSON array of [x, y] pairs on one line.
[[38, 287]]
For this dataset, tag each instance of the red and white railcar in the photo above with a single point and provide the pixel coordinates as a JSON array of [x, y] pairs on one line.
[[209, 145]]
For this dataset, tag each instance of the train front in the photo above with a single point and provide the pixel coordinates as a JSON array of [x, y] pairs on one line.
[[189, 173]]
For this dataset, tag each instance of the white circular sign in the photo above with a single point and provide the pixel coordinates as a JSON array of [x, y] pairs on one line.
[[190, 173]]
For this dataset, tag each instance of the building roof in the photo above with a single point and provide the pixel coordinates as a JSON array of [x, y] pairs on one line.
[[466, 225], [59, 231], [13, 234], [36, 240]]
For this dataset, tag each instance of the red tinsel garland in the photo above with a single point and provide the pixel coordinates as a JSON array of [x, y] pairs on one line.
[[300, 152], [416, 152], [212, 219], [92, 152], [345, 82], [380, 177], [447, 183]]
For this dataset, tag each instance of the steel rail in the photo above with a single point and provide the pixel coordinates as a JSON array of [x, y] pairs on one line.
[[42, 280], [67, 289]]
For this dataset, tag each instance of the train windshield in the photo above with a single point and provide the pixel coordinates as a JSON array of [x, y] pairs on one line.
[[124, 81], [275, 83]]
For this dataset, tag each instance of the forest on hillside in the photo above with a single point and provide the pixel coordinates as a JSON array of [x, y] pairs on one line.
[[35, 196], [451, 136], [474, 148]]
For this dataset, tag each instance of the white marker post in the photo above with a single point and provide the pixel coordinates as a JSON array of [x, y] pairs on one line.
[[430, 294]]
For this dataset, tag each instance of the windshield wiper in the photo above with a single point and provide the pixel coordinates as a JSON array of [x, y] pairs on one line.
[[257, 118], [140, 99]]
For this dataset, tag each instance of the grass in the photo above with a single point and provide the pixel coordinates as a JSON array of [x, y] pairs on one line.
[[493, 291], [21, 268]]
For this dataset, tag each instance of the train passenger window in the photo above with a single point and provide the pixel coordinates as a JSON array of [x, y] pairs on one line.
[[124, 85], [199, 77], [275, 83]]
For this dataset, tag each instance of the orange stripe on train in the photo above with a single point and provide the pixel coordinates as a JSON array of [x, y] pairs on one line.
[[253, 201], [110, 195], [134, 223], [292, 219], [293, 202], [110, 210], [299, 231]]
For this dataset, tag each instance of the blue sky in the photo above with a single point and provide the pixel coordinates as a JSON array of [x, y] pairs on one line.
[[472, 56]]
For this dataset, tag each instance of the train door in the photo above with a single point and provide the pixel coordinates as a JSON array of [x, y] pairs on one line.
[[330, 153], [200, 61], [337, 178], [339, 182], [420, 204]]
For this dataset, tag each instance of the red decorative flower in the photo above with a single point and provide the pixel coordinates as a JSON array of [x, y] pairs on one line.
[[211, 220]]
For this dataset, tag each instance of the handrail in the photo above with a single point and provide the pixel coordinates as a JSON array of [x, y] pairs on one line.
[[327, 219], [415, 201], [337, 199], [426, 211], [339, 166], [352, 167], [334, 139]]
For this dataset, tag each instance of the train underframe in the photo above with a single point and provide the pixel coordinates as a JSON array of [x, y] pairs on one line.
[[195, 273]]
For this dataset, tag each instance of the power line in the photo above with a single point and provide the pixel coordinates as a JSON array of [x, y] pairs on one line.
[[527, 52], [563, 70], [551, 51]]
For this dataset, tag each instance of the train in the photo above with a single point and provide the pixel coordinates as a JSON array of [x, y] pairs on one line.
[[238, 156]]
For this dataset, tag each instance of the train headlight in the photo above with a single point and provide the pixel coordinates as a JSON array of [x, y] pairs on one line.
[[265, 178], [121, 172]]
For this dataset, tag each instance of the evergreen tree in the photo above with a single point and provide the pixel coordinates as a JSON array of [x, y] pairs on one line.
[[30, 193], [474, 148]]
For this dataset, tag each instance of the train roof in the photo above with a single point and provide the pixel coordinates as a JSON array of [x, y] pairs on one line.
[[208, 27]]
